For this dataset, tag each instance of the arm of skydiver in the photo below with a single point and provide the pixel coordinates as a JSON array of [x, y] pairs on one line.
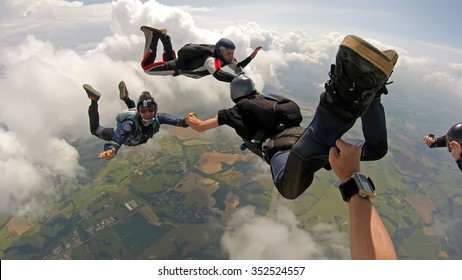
[[120, 135], [249, 58], [223, 76], [369, 239], [214, 67], [440, 141], [433, 142], [201, 125], [165, 118]]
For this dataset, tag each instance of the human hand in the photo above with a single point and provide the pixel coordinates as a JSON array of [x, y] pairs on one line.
[[344, 159], [455, 149], [255, 51], [109, 154], [189, 118], [429, 140]]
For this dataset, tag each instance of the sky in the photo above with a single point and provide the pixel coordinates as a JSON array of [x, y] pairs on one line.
[[49, 48]]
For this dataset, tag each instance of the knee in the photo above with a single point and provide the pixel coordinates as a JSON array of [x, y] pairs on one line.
[[289, 194], [98, 131], [376, 152], [292, 188], [381, 152]]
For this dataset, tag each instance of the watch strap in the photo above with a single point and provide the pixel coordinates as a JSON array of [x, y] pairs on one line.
[[348, 189]]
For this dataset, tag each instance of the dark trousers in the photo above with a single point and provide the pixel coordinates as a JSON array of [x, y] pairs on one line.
[[104, 133], [293, 171]]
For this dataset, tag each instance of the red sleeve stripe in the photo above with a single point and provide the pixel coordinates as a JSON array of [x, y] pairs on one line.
[[217, 64]]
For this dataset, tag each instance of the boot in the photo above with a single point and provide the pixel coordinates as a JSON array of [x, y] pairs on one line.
[[123, 92], [360, 74], [91, 92], [151, 36]]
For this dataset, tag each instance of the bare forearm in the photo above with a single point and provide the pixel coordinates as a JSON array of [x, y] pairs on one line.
[[200, 125], [369, 239]]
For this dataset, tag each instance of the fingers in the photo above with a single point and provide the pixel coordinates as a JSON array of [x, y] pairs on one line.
[[107, 155], [347, 148], [342, 145], [333, 154], [191, 116]]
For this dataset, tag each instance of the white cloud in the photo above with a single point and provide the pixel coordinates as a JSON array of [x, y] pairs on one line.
[[251, 236]]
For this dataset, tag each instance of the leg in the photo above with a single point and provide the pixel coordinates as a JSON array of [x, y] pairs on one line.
[[310, 153], [169, 53], [95, 128], [361, 70], [374, 131], [148, 63], [123, 94]]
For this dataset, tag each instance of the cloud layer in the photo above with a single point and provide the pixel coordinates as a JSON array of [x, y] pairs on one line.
[[251, 236]]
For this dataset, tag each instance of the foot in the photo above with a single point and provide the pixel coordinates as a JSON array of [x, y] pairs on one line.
[[123, 92], [92, 93], [145, 29], [362, 53], [151, 34]]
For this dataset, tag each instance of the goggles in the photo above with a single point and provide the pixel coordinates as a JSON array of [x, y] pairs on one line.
[[144, 109]]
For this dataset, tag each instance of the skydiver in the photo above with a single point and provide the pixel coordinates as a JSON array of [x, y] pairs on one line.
[[201, 60], [452, 140], [357, 81], [135, 126]]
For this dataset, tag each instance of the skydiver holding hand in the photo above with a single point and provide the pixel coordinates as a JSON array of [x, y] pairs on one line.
[[194, 60], [357, 81], [135, 126]]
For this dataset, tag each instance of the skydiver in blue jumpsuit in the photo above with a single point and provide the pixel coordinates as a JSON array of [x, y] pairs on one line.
[[135, 126]]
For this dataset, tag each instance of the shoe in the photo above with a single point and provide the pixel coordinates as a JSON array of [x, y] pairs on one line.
[[123, 92], [145, 29], [92, 93], [360, 73], [357, 54], [149, 34]]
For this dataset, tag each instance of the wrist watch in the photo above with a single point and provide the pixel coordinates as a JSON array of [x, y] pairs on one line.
[[357, 184]]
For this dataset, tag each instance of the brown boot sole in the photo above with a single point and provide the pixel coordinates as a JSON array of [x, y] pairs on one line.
[[385, 61]]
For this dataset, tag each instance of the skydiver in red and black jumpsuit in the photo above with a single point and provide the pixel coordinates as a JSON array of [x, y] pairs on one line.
[[197, 67]]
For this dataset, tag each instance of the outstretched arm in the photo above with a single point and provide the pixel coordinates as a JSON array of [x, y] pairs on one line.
[[201, 125], [165, 118], [249, 58], [120, 136], [433, 142], [369, 238]]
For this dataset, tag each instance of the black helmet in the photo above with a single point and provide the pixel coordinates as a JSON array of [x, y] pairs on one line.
[[241, 86], [221, 45], [454, 134], [146, 100]]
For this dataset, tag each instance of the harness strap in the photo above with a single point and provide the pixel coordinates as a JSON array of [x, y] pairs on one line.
[[278, 142]]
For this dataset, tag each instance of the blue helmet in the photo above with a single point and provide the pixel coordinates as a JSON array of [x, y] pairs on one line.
[[221, 45]]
